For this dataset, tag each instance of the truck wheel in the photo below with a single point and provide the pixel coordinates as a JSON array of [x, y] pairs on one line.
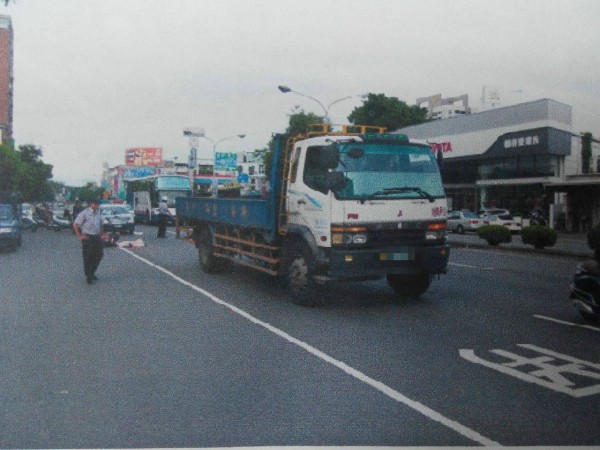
[[409, 285], [298, 268], [209, 263]]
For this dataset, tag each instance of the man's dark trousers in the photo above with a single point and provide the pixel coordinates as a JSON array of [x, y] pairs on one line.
[[93, 251], [162, 225]]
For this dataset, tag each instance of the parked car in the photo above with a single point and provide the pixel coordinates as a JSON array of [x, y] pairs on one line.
[[505, 220], [461, 221], [494, 212], [117, 218], [10, 227]]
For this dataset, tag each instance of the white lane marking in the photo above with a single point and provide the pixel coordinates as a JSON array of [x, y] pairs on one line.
[[393, 394], [563, 322], [469, 266]]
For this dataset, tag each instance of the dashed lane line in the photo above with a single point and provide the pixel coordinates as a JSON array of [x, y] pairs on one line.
[[564, 322], [393, 394]]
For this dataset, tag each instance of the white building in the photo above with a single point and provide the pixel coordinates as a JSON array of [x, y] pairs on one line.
[[517, 157], [445, 108]]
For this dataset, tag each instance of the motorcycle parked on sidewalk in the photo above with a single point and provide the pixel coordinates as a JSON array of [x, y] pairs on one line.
[[585, 289], [536, 217]]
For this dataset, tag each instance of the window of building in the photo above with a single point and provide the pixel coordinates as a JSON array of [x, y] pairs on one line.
[[519, 167]]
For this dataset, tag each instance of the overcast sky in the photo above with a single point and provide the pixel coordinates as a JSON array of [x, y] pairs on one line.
[[95, 77]]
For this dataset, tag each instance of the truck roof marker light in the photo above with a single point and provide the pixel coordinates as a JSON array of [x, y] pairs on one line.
[[436, 226], [386, 137]]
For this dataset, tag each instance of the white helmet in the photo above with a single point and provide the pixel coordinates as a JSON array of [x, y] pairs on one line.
[[164, 199]]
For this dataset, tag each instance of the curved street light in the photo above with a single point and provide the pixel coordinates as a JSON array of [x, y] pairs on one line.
[[286, 89]]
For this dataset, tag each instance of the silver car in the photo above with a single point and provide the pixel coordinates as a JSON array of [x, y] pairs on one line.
[[461, 221]]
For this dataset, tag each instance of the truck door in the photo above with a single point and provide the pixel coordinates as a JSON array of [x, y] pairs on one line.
[[308, 200]]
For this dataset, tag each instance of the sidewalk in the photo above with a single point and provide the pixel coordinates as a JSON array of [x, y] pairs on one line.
[[568, 244]]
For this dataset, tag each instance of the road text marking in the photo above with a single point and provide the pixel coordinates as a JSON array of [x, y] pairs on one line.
[[393, 394], [561, 373]]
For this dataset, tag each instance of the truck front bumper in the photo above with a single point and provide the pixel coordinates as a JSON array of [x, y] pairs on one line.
[[365, 264]]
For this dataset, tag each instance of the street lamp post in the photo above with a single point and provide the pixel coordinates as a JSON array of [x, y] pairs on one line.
[[214, 148], [286, 89], [193, 134]]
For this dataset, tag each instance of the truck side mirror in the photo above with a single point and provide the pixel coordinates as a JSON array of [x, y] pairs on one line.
[[328, 157], [335, 181]]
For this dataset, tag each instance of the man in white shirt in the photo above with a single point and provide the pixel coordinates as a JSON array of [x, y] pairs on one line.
[[88, 227], [163, 217]]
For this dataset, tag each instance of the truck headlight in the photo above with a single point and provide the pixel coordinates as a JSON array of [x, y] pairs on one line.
[[348, 235]]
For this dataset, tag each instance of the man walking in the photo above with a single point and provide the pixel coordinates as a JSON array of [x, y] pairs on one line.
[[163, 217], [88, 227]]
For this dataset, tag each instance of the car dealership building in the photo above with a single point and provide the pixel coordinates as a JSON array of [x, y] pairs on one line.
[[517, 157]]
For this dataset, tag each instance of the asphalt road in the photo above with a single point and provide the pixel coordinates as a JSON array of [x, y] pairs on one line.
[[159, 354]]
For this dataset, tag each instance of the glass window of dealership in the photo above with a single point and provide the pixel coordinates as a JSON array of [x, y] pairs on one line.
[[517, 157]]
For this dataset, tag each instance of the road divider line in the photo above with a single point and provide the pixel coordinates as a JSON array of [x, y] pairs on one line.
[[381, 387], [563, 322], [469, 266]]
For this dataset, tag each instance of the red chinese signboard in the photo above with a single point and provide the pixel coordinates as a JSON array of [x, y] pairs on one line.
[[144, 156]]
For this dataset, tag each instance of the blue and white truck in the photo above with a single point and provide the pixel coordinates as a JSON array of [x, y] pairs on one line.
[[348, 205]]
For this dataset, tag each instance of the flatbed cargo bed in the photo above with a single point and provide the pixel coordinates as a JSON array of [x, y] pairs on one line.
[[245, 212]]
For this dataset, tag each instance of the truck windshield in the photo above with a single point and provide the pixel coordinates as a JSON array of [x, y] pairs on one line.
[[172, 183], [378, 170]]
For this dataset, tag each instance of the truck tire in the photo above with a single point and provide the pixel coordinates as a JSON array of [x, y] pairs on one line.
[[209, 263], [409, 285], [298, 271]]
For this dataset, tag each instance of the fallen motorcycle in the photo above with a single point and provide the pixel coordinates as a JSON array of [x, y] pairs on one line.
[[585, 289]]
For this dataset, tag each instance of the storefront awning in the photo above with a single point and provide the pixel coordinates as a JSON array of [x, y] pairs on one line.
[[573, 184]]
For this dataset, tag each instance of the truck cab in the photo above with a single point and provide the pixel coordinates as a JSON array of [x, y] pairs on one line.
[[369, 206]]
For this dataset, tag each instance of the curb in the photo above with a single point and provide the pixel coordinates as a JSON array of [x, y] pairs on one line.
[[525, 251]]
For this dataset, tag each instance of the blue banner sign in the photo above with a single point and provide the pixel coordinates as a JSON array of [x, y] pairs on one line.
[[226, 162]]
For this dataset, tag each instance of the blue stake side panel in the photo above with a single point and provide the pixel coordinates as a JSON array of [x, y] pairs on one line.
[[254, 213]]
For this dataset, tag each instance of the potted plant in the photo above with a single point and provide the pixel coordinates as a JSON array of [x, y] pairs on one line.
[[494, 234], [540, 236]]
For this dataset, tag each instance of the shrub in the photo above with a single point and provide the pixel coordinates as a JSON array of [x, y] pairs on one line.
[[494, 234], [539, 236], [593, 238]]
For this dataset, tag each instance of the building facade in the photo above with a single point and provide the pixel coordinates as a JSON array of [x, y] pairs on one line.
[[6, 80], [517, 157]]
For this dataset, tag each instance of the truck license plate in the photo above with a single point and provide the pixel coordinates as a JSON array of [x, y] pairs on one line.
[[397, 256]]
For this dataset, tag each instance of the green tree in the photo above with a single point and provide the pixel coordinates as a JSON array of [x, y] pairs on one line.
[[389, 112], [9, 169], [300, 121], [86, 193], [23, 171], [34, 175]]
